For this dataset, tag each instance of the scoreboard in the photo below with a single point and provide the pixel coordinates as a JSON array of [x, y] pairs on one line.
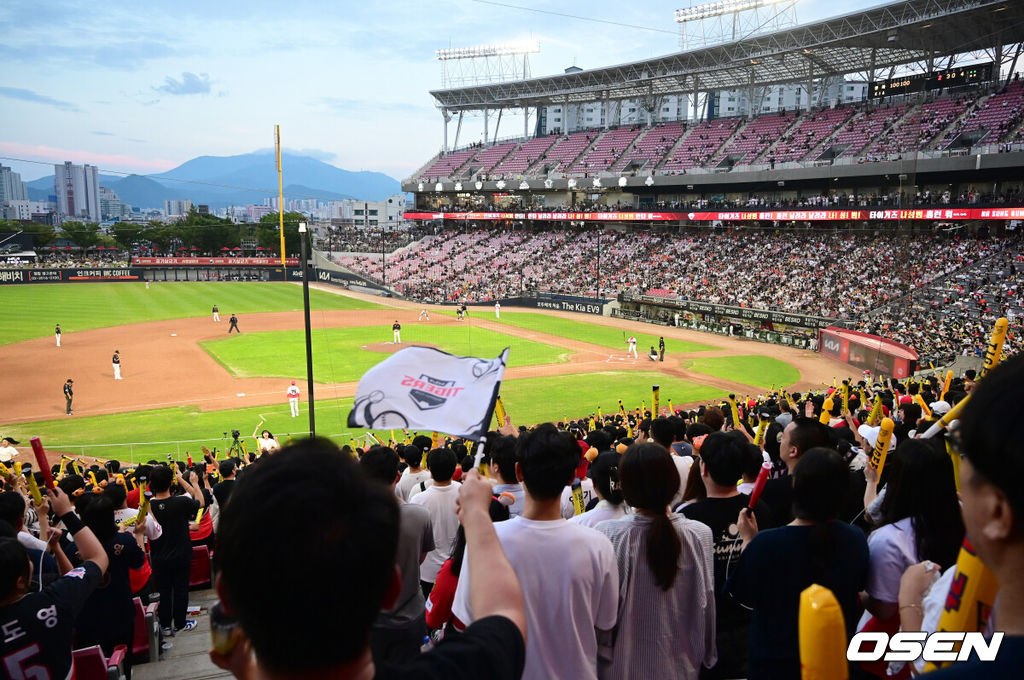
[[920, 82]]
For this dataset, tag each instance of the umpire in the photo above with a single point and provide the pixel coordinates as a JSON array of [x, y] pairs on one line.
[[69, 394]]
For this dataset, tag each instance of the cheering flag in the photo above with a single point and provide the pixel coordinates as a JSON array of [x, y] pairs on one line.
[[427, 389]]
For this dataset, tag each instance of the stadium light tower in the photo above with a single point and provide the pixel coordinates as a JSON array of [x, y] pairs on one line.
[[714, 23], [486, 63]]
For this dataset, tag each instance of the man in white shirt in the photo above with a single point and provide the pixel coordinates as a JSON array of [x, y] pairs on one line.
[[414, 478], [632, 346], [439, 499], [293, 399], [567, 572]]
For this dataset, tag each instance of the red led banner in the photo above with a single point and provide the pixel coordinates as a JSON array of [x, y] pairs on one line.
[[213, 261], [737, 215]]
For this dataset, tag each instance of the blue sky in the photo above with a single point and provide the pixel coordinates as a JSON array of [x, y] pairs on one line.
[[144, 87]]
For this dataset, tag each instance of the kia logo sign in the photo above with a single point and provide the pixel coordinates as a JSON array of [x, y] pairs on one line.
[[831, 345]]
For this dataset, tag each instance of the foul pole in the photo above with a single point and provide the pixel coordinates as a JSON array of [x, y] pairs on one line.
[[280, 188]]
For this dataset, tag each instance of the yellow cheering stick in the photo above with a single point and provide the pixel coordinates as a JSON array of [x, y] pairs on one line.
[[881, 450], [876, 411], [762, 426], [643, 409], [592, 424], [434, 438], [499, 411], [34, 488], [970, 599], [822, 636], [735, 411], [826, 411], [655, 400], [919, 400], [671, 411], [789, 398], [943, 422], [144, 500], [863, 397], [600, 417], [846, 396], [63, 462], [994, 353], [945, 384]]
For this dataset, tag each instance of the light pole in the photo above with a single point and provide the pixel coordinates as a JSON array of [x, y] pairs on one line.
[[309, 344]]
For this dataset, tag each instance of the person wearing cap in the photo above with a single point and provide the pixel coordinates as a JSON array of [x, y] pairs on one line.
[[69, 394], [396, 332], [56, 332], [117, 364], [7, 450], [293, 399]]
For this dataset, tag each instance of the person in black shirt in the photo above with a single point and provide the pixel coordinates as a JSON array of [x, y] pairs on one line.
[[222, 489], [36, 627], [69, 394], [234, 324], [171, 554], [116, 360], [396, 332], [801, 435], [721, 463], [328, 622], [661, 348]]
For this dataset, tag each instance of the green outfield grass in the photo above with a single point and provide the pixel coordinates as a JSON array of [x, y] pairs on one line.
[[535, 400], [338, 357], [156, 433], [606, 336], [32, 311], [749, 370]]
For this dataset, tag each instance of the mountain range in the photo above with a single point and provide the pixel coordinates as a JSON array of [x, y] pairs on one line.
[[221, 181]]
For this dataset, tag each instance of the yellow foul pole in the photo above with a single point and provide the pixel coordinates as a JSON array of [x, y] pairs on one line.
[[280, 188]]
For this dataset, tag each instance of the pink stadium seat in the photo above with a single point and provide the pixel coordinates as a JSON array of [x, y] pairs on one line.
[[91, 664], [200, 575], [145, 643]]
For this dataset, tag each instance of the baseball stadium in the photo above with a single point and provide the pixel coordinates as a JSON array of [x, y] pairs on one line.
[[643, 251]]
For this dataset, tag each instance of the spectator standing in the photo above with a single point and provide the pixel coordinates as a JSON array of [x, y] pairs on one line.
[[398, 632], [37, 625], [665, 574], [778, 564], [171, 554], [414, 478], [352, 518], [604, 472], [502, 450], [439, 499], [721, 464], [567, 572]]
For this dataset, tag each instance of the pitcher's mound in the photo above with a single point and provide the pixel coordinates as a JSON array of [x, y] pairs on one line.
[[391, 347]]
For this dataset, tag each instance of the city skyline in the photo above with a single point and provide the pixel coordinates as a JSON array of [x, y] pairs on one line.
[[143, 92]]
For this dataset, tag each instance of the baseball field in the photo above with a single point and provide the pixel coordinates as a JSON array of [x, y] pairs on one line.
[[188, 383]]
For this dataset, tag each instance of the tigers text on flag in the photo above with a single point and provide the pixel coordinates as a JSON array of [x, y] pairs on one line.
[[427, 389]]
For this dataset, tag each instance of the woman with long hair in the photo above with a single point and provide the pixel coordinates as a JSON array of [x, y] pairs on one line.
[[605, 473], [778, 564], [108, 617], [266, 442], [920, 520], [666, 622]]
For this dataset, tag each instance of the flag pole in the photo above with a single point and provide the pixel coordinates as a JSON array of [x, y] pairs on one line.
[[309, 344]]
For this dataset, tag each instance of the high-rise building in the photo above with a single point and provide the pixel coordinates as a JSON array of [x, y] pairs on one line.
[[11, 186], [178, 207], [78, 191]]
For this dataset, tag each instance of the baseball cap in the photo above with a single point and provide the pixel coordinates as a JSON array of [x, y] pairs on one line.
[[940, 407], [293, 382], [870, 435]]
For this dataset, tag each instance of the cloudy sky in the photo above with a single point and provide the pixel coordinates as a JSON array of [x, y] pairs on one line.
[[145, 86]]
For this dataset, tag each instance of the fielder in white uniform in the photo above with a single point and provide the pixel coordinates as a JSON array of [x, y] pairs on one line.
[[396, 329], [632, 346], [117, 364], [293, 399], [57, 333], [424, 313], [497, 310]]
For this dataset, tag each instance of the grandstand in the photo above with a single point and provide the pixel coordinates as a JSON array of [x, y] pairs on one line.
[[933, 161]]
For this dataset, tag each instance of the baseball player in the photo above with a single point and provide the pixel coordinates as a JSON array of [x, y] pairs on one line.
[[234, 324], [69, 394], [117, 364], [652, 355], [661, 347], [424, 314], [293, 399], [56, 332], [216, 313], [632, 346], [497, 310], [396, 330]]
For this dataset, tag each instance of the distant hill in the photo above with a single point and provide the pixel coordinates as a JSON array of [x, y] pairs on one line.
[[220, 181]]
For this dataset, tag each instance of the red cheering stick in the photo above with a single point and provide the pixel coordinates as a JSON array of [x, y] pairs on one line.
[[44, 467], [762, 479]]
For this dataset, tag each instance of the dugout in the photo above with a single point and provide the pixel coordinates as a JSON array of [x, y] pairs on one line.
[[879, 355]]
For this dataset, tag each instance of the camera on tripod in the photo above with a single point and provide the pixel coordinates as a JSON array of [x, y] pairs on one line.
[[235, 434]]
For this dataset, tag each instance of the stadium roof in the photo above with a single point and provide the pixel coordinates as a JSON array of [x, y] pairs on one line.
[[883, 37]]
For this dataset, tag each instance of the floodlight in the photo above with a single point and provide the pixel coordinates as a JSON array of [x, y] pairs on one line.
[[522, 47], [715, 9]]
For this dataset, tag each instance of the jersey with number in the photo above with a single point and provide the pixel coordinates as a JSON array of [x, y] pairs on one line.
[[293, 392], [35, 631]]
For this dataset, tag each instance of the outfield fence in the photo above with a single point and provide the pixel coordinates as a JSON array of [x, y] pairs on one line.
[[139, 452]]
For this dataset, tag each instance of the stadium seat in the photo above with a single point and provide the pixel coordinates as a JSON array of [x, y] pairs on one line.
[[145, 644], [91, 664], [201, 575]]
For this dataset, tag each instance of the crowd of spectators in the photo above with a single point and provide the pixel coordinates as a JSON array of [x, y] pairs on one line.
[[60, 260], [359, 240], [470, 563]]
